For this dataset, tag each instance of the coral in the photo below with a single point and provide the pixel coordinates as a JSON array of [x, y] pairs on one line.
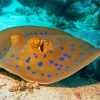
[[25, 11], [4, 3], [49, 5], [62, 1], [80, 9], [58, 7], [97, 2], [61, 23]]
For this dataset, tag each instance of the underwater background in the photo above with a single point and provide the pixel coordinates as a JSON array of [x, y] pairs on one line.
[[81, 18]]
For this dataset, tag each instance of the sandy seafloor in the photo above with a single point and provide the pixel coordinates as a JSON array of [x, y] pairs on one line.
[[72, 88]]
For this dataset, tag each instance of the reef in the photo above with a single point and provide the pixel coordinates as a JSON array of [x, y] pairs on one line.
[[4, 3]]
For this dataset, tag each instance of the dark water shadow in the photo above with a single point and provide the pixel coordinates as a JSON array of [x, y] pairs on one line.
[[15, 77], [74, 81]]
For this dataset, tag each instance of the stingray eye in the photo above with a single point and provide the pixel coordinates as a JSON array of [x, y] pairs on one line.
[[45, 46]]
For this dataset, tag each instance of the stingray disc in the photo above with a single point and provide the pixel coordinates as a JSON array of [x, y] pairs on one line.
[[44, 55]]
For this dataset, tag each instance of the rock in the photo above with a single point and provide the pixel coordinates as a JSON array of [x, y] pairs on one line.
[[1, 11], [25, 11], [99, 20], [32, 3], [97, 2], [56, 7], [80, 9], [4, 3], [29, 3], [62, 2]]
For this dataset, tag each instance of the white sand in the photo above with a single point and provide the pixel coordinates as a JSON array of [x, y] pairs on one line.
[[57, 91]]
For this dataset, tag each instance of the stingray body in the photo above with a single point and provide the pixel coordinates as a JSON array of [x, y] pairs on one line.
[[44, 55]]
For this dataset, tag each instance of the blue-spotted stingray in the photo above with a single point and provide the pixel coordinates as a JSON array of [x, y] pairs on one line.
[[44, 55]]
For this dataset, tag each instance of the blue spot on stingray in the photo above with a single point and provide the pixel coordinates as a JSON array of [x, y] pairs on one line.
[[17, 58], [35, 33], [61, 58], [12, 56], [72, 49], [33, 72], [77, 61], [28, 67], [42, 74], [44, 55], [58, 38], [31, 33], [65, 55], [69, 57], [16, 66], [40, 63], [5, 49], [72, 45], [67, 67], [59, 68], [52, 34], [49, 75], [62, 48], [28, 59], [61, 65], [56, 64], [35, 55], [1, 57], [51, 62], [82, 53], [81, 46], [41, 33]]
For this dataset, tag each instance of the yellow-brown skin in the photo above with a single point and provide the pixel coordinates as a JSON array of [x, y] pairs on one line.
[[13, 38]]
